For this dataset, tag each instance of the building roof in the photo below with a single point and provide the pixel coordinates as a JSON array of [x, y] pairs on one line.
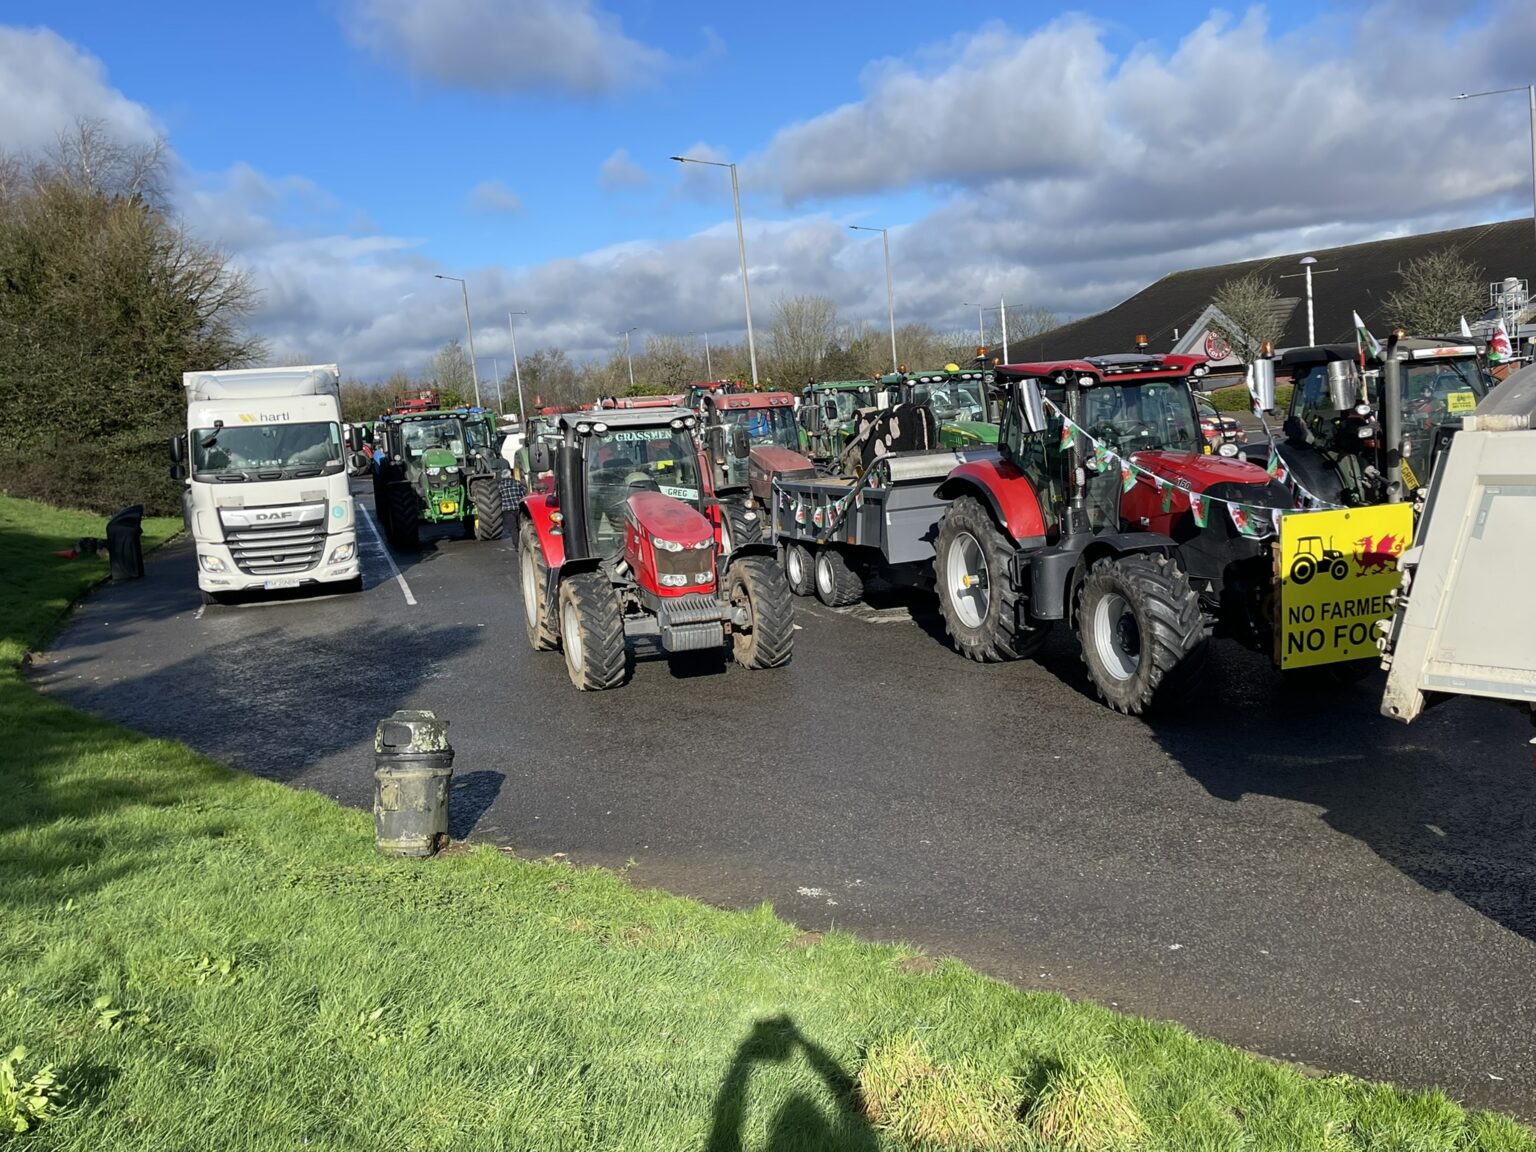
[[1367, 273]]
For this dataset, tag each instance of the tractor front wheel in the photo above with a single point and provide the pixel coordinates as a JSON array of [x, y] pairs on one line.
[[1143, 638], [742, 526], [756, 584], [977, 597], [403, 523], [797, 568], [486, 496], [592, 632], [533, 572], [837, 584]]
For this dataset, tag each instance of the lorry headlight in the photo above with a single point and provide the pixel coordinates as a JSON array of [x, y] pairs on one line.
[[342, 553], [211, 563]]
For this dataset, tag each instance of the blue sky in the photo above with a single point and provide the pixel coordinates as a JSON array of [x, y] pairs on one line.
[[344, 150]]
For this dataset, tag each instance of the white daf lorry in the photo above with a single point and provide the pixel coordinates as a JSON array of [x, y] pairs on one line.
[[264, 464]]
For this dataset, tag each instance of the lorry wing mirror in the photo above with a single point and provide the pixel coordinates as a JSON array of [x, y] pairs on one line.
[[1032, 405], [741, 443], [178, 450], [1264, 384], [538, 458], [1343, 384]]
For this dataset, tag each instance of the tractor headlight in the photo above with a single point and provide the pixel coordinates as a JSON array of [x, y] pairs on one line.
[[451, 469], [666, 545], [434, 471], [673, 580], [599, 428], [708, 542], [703, 577], [211, 564]]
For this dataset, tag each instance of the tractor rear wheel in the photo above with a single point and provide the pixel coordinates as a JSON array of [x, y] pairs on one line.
[[837, 584], [797, 568], [592, 632], [742, 526], [533, 573], [486, 496], [402, 522], [977, 597], [1143, 637], [756, 584]]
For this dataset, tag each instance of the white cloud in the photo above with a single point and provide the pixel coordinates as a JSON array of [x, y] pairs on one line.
[[620, 171], [494, 197], [505, 45], [47, 84]]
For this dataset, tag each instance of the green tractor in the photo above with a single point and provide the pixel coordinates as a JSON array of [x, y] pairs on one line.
[[443, 467], [829, 414], [961, 400]]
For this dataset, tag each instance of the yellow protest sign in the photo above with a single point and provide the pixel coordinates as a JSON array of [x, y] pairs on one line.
[[1336, 572]]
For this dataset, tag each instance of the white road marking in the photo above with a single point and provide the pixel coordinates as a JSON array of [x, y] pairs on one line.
[[201, 608], [378, 539]]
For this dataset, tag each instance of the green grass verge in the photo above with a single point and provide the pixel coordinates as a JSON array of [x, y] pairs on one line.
[[1236, 398], [207, 960]]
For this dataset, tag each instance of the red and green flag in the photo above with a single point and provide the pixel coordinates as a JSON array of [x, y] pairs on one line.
[[1200, 506], [1127, 475]]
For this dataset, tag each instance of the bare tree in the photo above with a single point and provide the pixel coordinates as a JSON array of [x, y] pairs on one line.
[[451, 374], [1439, 288], [668, 364], [803, 327], [1251, 314]]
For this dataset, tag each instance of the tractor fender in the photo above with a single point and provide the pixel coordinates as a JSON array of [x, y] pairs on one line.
[[761, 548], [538, 513], [1056, 573], [1005, 490]]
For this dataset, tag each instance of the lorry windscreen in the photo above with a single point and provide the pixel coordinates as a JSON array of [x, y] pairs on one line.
[[231, 451]]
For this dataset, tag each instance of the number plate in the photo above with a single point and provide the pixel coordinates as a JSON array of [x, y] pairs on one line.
[[272, 585]]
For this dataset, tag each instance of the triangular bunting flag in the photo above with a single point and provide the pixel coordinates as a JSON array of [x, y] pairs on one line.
[[1068, 441], [1242, 519], [1167, 490], [1199, 506], [1127, 476], [1276, 466]]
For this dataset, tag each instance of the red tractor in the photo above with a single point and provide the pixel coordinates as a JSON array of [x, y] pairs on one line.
[[624, 536], [748, 437], [1106, 508]]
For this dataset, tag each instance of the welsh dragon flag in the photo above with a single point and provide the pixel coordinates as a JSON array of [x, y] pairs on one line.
[[1127, 475], [1364, 339], [1242, 519], [1498, 344], [1167, 490], [1276, 466], [1200, 507], [1068, 440]]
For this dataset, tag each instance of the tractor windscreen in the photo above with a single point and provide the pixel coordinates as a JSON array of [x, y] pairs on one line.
[[1129, 418], [419, 435], [623, 461], [952, 399], [230, 452]]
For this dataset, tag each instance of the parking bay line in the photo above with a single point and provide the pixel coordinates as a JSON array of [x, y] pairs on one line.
[[378, 539]]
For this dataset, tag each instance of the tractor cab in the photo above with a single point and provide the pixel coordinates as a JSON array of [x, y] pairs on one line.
[[438, 466], [694, 397], [829, 412], [961, 400], [1336, 426], [736, 423]]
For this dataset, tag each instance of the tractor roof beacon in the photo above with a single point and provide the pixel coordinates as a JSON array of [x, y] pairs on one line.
[[623, 536], [439, 466], [1050, 530]]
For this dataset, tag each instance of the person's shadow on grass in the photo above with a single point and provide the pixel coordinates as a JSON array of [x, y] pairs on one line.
[[800, 1123]]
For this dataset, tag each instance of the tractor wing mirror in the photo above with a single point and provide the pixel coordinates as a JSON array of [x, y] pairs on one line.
[[538, 459], [1032, 405], [358, 464], [741, 443]]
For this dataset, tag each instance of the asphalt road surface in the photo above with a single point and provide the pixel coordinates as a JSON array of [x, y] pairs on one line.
[[1285, 871]]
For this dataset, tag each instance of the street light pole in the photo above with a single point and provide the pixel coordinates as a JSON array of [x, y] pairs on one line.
[[981, 329], [890, 298], [522, 413], [496, 368], [741, 247], [628, 360], [1530, 91], [470, 328], [1002, 309], [709, 372], [1307, 263]]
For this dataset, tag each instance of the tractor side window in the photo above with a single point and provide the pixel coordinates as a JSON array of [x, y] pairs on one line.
[[1039, 456]]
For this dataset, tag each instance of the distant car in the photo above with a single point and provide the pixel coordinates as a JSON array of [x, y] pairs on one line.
[[1218, 428]]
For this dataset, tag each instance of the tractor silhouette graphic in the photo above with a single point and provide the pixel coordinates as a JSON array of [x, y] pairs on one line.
[[1313, 557]]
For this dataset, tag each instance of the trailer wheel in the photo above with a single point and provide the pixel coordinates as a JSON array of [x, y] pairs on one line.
[[592, 632], [533, 573], [486, 495], [837, 584], [403, 519], [742, 526], [756, 584], [977, 598], [1143, 637], [797, 568]]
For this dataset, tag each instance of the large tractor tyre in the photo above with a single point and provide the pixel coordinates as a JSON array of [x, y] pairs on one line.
[[756, 584], [592, 632], [403, 522], [798, 566], [489, 517], [742, 526], [1143, 638], [977, 597], [837, 584], [533, 574]]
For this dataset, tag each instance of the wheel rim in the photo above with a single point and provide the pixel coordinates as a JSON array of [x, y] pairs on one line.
[[570, 636], [530, 592], [824, 581], [969, 579], [794, 565], [741, 597], [1116, 636]]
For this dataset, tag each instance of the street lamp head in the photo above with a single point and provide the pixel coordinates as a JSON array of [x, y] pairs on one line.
[[1307, 260], [679, 159]]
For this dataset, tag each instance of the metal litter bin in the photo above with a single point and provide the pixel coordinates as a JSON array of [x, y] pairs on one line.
[[413, 764], [125, 543]]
